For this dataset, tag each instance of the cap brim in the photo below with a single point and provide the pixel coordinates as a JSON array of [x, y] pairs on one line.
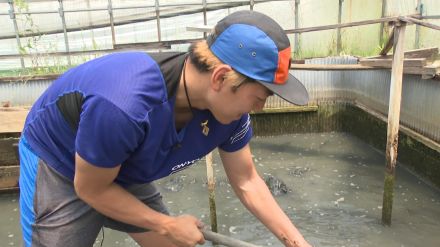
[[293, 90]]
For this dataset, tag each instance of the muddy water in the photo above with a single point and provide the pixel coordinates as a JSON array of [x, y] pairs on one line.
[[334, 188]]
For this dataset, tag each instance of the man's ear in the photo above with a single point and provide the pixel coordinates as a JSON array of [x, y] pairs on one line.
[[218, 76]]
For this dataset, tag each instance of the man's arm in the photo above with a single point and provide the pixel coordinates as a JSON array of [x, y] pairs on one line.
[[254, 194], [95, 186]]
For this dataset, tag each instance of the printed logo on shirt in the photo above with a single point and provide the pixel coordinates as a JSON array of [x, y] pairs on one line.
[[183, 165], [242, 133]]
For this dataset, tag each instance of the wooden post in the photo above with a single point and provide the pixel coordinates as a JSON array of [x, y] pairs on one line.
[[393, 121], [384, 9], [211, 190], [338, 41]]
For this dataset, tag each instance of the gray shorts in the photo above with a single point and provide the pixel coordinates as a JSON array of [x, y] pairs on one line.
[[62, 219]]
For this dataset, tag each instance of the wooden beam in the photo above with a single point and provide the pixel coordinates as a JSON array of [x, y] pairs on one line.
[[393, 122], [419, 22], [428, 53], [388, 45], [387, 62], [12, 121], [9, 177]]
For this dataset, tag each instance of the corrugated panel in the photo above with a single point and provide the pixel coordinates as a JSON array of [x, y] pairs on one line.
[[22, 93]]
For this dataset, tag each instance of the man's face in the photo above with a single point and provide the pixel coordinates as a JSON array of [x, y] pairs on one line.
[[230, 104]]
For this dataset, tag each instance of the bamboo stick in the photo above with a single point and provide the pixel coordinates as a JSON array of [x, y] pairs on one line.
[[211, 190], [393, 121]]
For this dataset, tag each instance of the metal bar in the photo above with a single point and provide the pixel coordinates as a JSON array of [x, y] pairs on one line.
[[338, 41], [225, 240], [142, 6], [142, 46], [180, 13], [205, 19], [393, 121], [351, 24], [112, 22], [297, 45], [158, 20], [419, 10], [382, 25], [66, 38], [17, 35]]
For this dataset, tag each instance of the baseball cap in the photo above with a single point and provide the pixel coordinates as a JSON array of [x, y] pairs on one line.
[[256, 46]]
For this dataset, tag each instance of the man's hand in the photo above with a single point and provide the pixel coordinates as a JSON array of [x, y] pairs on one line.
[[184, 231], [295, 243]]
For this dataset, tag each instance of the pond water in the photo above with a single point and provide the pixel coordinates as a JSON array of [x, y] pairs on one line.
[[333, 184]]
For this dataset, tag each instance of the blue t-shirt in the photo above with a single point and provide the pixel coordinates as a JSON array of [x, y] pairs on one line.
[[119, 109]]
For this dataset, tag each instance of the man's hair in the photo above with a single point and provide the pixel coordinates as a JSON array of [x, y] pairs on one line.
[[205, 61]]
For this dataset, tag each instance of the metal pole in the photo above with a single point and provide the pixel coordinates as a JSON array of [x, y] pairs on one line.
[[66, 38], [205, 20], [159, 36], [384, 9], [251, 4], [419, 9], [17, 34], [112, 23], [338, 41], [393, 120], [297, 45]]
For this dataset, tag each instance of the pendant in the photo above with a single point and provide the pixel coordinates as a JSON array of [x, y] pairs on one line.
[[205, 128]]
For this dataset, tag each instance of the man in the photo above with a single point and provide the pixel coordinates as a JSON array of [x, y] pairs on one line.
[[94, 142]]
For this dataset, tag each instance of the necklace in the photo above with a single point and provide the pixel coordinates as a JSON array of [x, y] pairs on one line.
[[203, 124]]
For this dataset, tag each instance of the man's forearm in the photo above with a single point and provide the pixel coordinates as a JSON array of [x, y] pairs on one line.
[[257, 198], [116, 203]]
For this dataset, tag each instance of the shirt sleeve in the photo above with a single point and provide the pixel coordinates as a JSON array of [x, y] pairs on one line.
[[240, 136], [106, 135]]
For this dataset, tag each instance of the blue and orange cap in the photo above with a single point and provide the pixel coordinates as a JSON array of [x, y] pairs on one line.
[[257, 47]]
